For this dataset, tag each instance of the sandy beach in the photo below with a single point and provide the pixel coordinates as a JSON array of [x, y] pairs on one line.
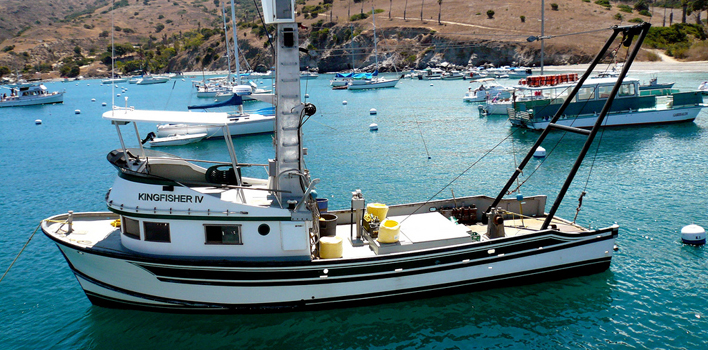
[[667, 66]]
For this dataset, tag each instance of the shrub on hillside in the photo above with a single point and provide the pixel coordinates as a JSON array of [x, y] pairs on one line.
[[624, 8], [636, 20], [522, 18], [490, 14], [554, 6]]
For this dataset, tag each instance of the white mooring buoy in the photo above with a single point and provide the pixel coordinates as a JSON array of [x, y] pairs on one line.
[[344, 102], [540, 152], [93, 100], [373, 127], [372, 111], [307, 95], [103, 104], [693, 234], [78, 111], [38, 122]]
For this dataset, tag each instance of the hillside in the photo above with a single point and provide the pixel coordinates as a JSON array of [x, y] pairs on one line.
[[182, 35]]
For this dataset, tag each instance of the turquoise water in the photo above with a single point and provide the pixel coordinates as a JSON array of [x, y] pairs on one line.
[[650, 180]]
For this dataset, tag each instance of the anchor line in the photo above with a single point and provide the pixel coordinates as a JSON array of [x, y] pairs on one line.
[[21, 250]]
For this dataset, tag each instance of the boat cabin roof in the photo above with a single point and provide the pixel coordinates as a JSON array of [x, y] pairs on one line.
[[174, 117]]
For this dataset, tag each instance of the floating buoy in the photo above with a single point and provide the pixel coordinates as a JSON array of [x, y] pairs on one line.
[[38, 122], [118, 95], [78, 111], [344, 102], [93, 100], [373, 127], [372, 111], [307, 95], [540, 152], [693, 234], [431, 84], [103, 104]]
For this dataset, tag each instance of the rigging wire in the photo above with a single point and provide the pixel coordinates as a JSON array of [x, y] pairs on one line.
[[421, 136], [462, 173]]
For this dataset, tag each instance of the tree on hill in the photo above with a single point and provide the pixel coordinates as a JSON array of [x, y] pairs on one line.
[[699, 6], [439, 10]]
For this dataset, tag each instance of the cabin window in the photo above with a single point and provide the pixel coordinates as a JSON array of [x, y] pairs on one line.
[[223, 234], [131, 228], [604, 91], [626, 90], [157, 231], [586, 93]]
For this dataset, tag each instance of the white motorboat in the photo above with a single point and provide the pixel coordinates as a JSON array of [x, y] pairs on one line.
[[114, 80], [238, 123], [306, 74], [175, 140], [429, 73], [29, 95], [487, 90], [179, 236], [152, 79], [703, 87], [452, 75]]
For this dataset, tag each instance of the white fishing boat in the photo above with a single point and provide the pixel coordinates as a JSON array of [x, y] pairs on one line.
[[30, 94], [430, 73], [180, 236], [175, 140]]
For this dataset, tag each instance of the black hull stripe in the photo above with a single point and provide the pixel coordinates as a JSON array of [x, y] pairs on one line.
[[220, 217], [522, 278], [386, 269]]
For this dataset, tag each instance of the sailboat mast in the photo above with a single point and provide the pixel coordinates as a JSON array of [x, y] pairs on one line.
[[233, 28], [226, 35], [376, 53]]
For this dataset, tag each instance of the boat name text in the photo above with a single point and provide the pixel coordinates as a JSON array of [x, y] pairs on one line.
[[161, 197]]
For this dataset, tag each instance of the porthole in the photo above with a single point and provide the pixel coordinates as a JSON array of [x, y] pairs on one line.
[[264, 229]]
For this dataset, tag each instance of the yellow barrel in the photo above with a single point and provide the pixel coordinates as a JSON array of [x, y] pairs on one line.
[[378, 210], [388, 231], [330, 247]]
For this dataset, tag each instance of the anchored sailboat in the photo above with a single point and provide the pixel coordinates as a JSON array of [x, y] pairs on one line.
[[180, 236]]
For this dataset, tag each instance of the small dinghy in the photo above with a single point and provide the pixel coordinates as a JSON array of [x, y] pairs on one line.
[[175, 140]]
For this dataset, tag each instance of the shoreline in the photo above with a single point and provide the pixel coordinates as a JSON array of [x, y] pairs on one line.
[[642, 66]]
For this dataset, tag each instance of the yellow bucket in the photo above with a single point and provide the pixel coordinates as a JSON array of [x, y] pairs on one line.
[[377, 209], [330, 247], [388, 231]]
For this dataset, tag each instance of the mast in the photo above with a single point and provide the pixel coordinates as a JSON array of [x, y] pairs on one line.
[[226, 35], [233, 28], [287, 170], [376, 53]]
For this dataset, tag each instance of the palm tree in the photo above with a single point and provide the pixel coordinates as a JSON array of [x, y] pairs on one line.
[[439, 11], [390, 3], [404, 10], [421, 9], [684, 8]]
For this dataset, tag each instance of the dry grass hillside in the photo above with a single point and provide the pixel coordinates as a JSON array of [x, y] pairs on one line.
[[47, 31]]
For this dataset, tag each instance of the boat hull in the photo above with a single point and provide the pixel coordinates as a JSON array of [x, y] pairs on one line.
[[57, 97], [355, 85], [239, 126], [126, 280], [676, 115]]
